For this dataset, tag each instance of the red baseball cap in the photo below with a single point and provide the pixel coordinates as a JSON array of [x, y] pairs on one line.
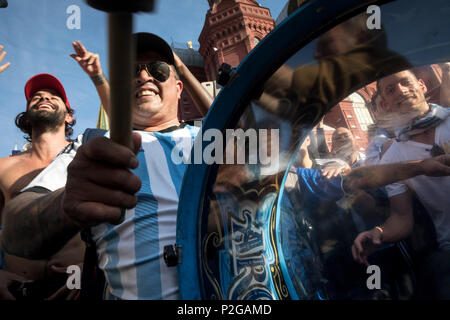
[[45, 81]]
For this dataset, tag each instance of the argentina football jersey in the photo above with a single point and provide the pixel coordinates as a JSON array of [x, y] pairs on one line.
[[131, 253]]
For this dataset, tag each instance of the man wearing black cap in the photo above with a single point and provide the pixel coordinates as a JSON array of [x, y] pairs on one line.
[[90, 63], [105, 178], [47, 122]]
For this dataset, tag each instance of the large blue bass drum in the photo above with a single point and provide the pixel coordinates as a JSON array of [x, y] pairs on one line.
[[265, 214]]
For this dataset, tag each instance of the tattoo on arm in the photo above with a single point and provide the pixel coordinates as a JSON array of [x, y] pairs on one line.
[[35, 226], [98, 80]]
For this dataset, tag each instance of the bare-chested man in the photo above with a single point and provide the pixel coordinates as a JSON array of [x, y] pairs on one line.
[[47, 122]]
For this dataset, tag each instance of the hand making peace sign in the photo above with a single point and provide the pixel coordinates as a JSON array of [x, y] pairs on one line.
[[2, 55], [88, 61]]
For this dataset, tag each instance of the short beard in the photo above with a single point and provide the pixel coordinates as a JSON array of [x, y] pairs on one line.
[[45, 121]]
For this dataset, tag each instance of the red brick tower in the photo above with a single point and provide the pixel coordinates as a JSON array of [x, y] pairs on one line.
[[232, 29]]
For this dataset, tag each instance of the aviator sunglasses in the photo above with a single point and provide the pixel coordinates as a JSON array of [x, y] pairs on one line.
[[159, 70]]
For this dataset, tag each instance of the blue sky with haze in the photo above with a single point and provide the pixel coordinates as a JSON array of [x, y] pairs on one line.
[[35, 36]]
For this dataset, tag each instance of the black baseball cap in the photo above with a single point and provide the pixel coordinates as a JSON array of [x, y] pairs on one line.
[[151, 42]]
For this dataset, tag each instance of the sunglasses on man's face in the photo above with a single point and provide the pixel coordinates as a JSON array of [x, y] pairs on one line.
[[159, 70]]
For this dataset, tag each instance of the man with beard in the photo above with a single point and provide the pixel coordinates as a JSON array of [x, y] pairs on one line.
[[425, 134], [129, 225], [90, 63], [47, 123]]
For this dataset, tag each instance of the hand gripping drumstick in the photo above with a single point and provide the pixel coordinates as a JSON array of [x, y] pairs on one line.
[[122, 57]]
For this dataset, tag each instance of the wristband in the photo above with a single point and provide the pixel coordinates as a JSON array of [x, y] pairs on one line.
[[381, 231]]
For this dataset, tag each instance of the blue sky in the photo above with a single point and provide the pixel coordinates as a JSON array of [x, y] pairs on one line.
[[37, 40]]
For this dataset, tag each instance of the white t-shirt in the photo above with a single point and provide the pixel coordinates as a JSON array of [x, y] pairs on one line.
[[433, 192]]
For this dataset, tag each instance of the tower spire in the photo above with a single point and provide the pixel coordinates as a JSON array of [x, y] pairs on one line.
[[229, 35]]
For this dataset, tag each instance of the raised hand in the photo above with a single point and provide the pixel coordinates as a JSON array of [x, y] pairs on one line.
[[2, 56], [88, 61]]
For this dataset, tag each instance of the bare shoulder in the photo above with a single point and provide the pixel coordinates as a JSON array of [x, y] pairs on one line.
[[15, 173], [6, 177], [6, 164], [9, 163]]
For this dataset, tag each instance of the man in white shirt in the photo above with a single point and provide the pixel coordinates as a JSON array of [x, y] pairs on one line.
[[426, 135]]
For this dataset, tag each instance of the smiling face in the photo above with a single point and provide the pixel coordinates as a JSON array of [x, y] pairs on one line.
[[156, 102], [47, 102], [403, 92], [46, 99], [47, 108]]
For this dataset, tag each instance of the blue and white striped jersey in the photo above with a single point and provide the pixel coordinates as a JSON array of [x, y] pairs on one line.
[[131, 253]]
